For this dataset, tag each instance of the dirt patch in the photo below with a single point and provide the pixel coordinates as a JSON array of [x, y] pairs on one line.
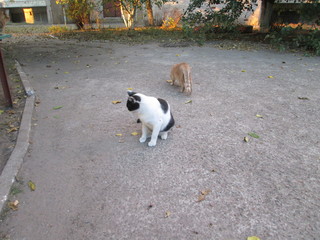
[[10, 117]]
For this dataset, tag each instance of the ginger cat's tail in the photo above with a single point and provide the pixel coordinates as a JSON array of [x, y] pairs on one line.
[[187, 80]]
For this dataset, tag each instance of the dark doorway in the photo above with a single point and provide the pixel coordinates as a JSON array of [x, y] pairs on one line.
[[112, 9], [17, 15]]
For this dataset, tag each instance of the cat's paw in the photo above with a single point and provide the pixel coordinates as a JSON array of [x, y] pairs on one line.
[[164, 136], [142, 139], [152, 143]]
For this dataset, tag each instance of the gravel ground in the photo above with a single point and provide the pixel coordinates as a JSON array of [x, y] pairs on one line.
[[204, 181]]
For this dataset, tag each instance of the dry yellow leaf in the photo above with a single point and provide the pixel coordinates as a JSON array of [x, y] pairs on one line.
[[189, 101], [201, 198], [253, 238], [169, 81], [243, 71], [134, 133], [203, 195], [13, 205], [32, 186], [116, 102], [270, 77], [246, 139], [130, 88], [168, 213], [13, 129], [205, 192], [119, 134]]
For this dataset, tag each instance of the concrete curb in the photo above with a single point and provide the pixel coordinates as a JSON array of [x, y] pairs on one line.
[[14, 163]]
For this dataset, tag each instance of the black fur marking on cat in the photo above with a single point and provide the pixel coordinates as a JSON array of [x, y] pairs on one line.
[[164, 105], [133, 102], [130, 93], [170, 124]]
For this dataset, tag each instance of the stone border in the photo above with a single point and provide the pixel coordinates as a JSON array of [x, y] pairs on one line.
[[13, 165]]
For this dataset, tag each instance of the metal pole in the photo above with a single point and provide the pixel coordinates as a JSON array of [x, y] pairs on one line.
[[4, 82]]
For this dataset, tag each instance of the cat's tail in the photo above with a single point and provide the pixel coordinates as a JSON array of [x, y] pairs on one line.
[[187, 81]]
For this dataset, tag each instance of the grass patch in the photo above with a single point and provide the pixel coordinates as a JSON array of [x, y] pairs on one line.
[[123, 35]]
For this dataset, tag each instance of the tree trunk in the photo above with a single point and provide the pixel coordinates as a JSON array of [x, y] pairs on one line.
[[128, 13], [131, 18], [123, 14], [150, 12], [265, 14]]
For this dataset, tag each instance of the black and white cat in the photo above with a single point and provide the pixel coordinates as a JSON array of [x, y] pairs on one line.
[[154, 114]]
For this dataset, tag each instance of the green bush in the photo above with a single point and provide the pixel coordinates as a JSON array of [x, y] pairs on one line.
[[295, 38]]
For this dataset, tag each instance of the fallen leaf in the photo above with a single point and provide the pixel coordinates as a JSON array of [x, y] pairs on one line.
[[32, 186], [134, 133], [203, 195], [270, 77], [246, 139], [169, 81], [12, 129], [66, 72], [130, 89], [243, 70], [57, 107], [168, 213], [253, 238], [201, 198], [189, 101], [11, 112], [259, 116], [178, 55], [119, 134], [254, 135], [1, 111], [303, 98], [205, 192], [60, 87], [116, 102], [13, 205]]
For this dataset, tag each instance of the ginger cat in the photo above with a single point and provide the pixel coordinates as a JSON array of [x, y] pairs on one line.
[[181, 76]]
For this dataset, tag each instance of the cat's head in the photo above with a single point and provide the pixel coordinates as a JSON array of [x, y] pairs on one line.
[[134, 100]]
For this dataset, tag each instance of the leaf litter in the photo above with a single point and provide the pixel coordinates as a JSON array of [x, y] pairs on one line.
[[253, 238], [32, 185], [203, 195], [57, 107], [13, 205], [253, 134]]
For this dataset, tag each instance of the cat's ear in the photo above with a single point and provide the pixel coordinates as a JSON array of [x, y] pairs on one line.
[[130, 93]]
